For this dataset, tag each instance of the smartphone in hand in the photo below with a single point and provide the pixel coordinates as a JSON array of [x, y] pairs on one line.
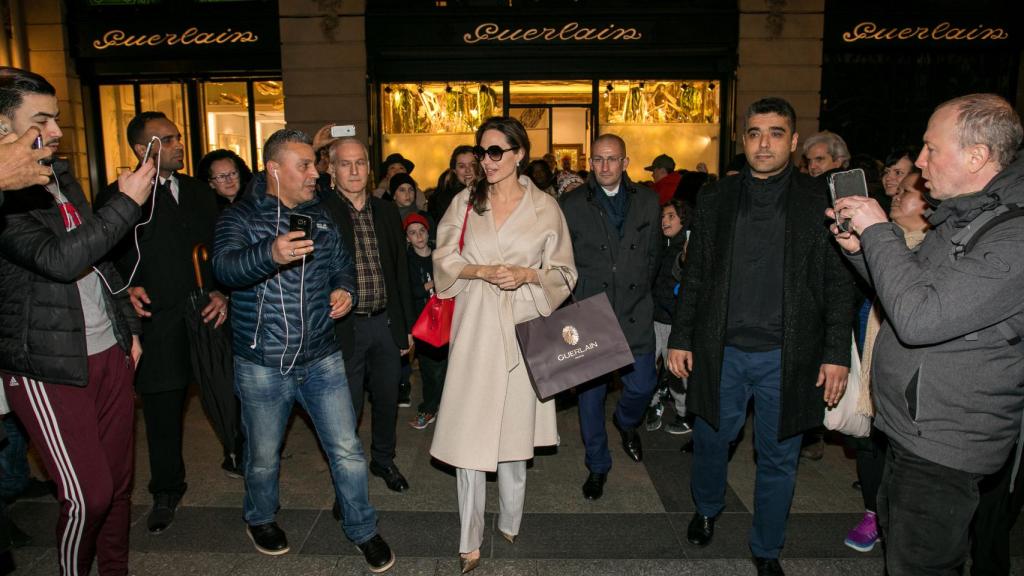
[[843, 184], [301, 223]]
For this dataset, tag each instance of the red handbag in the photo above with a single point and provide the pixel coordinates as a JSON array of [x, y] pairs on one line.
[[434, 326]]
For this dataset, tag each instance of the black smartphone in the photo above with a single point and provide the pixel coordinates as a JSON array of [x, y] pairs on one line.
[[39, 144], [843, 184], [301, 223]]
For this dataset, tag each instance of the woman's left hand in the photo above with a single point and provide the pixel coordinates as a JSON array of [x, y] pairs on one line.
[[512, 277]]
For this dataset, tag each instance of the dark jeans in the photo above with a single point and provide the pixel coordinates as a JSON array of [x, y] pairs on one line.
[[746, 375], [998, 509], [376, 367], [14, 470], [638, 383], [924, 513], [870, 465], [433, 367]]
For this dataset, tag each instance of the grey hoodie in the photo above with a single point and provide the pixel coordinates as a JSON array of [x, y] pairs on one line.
[[947, 385]]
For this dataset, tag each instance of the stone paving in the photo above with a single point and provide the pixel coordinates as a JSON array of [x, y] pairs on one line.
[[637, 528]]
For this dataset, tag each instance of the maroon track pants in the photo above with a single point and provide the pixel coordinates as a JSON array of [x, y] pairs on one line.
[[84, 436]]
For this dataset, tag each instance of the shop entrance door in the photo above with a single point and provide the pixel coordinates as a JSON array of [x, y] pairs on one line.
[[559, 129]]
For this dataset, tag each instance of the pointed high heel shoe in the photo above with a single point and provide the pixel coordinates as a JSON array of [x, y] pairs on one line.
[[468, 564], [510, 537]]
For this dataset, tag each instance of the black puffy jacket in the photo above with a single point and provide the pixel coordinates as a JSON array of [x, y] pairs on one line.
[[42, 328]]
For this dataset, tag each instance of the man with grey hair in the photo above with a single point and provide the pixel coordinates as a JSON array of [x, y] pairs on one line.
[[825, 151], [284, 305], [948, 365]]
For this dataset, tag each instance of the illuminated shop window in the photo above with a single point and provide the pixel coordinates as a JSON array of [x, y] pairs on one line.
[[269, 111], [425, 122], [117, 108], [227, 111], [680, 118]]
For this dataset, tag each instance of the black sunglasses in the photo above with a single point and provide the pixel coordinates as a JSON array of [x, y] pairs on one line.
[[494, 152]]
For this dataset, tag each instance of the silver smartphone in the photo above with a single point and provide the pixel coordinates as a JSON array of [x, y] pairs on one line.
[[343, 131], [149, 148], [843, 184]]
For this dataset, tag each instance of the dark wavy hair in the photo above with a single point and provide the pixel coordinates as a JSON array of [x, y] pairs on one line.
[[515, 135], [15, 83], [206, 167]]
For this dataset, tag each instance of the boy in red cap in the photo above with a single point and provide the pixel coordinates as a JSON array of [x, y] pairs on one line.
[[433, 361]]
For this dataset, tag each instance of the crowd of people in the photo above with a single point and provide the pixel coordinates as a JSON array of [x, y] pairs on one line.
[[754, 286]]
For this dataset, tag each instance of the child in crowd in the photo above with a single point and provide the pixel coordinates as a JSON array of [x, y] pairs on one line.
[[433, 361], [666, 290]]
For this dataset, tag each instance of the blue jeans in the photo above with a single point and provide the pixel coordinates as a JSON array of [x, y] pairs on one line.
[[638, 384], [321, 388], [14, 471], [746, 374]]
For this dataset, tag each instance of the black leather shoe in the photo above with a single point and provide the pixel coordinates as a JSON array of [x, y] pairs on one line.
[[701, 530], [593, 488], [631, 442], [162, 515], [392, 477], [378, 554], [232, 467], [768, 567], [268, 539]]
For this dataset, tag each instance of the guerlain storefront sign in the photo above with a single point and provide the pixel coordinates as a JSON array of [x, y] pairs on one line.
[[190, 36], [570, 32], [944, 31]]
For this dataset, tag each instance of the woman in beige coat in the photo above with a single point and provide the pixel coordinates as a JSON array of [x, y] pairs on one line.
[[516, 264]]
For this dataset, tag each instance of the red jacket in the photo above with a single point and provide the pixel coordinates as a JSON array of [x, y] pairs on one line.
[[666, 187]]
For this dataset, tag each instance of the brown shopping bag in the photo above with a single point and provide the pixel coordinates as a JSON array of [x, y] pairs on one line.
[[577, 343]]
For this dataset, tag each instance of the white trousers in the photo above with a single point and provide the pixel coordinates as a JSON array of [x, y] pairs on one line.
[[472, 486]]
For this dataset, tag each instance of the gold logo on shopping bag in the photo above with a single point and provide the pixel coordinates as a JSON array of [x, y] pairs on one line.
[[570, 335]]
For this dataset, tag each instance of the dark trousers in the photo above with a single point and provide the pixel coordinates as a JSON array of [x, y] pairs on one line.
[[870, 465], [638, 384], [376, 367], [998, 509], [164, 413], [14, 469], [924, 513], [746, 375], [433, 367], [84, 438]]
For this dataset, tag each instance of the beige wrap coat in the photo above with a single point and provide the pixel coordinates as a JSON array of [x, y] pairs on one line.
[[489, 411]]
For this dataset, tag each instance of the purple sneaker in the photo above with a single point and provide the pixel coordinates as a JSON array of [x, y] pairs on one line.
[[864, 535]]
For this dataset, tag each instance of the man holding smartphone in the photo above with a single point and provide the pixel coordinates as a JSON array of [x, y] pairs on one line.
[[290, 287], [68, 344], [766, 313]]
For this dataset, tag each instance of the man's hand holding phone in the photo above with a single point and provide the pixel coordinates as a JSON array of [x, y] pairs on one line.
[[290, 247], [138, 185], [20, 161]]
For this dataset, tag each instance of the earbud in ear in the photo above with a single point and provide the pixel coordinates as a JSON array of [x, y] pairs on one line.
[[4, 129]]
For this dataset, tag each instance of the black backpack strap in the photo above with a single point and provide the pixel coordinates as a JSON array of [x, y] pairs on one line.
[[965, 239]]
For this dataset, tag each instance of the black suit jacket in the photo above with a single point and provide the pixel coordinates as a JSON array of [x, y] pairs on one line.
[[387, 225], [167, 274], [817, 304]]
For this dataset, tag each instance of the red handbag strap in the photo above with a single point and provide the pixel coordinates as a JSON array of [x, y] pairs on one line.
[[462, 236]]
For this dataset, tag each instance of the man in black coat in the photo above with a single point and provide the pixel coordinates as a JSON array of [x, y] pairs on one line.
[[185, 215], [766, 313], [371, 230], [616, 236]]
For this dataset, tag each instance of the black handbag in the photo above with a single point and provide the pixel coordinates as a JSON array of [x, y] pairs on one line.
[[575, 344]]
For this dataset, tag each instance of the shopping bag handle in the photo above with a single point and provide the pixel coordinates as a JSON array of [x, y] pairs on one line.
[[565, 279]]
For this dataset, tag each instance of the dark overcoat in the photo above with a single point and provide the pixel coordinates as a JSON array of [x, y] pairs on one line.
[[818, 299], [623, 268]]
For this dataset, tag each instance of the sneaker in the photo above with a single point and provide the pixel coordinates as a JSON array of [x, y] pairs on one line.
[[268, 539], [653, 419], [422, 420], [678, 426], [378, 554], [404, 395], [865, 534]]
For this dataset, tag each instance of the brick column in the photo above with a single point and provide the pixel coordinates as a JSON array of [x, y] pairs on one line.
[[48, 56], [324, 73], [780, 54]]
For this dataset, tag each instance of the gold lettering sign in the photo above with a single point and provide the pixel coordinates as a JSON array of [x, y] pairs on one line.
[[191, 36], [943, 32], [572, 31]]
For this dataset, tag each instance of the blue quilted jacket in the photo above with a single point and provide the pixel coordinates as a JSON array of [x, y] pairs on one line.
[[273, 335]]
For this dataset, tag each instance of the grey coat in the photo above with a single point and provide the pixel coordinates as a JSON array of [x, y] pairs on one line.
[[947, 385]]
